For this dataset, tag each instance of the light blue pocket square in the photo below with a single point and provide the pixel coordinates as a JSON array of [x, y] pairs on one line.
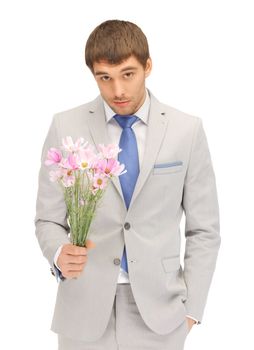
[[168, 165], [168, 168]]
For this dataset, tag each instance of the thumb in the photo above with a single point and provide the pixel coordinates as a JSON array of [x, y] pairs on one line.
[[89, 244]]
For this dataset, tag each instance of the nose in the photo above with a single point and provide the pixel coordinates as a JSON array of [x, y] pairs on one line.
[[118, 89]]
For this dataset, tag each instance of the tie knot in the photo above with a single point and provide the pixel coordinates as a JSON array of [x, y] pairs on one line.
[[125, 121]]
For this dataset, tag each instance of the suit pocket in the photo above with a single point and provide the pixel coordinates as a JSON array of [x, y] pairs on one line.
[[171, 264], [167, 168]]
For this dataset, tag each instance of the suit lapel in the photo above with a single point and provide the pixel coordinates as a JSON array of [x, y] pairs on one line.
[[98, 130], [157, 125]]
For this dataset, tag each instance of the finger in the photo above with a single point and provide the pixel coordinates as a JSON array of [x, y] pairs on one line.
[[76, 259], [72, 249], [72, 269], [75, 267]]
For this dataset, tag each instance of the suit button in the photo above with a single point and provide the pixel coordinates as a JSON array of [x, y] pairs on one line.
[[117, 261], [127, 226]]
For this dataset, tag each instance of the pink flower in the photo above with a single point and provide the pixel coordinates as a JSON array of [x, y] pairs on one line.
[[99, 181], [64, 175], [110, 167], [54, 156], [55, 175], [70, 146], [86, 158], [109, 151], [68, 179], [71, 162]]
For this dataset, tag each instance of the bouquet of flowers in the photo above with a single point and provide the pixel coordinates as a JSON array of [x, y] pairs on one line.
[[83, 176]]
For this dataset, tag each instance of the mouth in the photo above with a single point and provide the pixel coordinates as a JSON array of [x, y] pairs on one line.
[[121, 103]]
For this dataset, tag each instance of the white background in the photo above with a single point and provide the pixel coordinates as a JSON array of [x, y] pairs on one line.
[[203, 60]]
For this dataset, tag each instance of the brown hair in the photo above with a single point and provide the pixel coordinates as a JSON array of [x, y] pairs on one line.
[[115, 41]]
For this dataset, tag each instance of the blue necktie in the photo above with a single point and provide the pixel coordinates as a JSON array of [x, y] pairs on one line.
[[129, 157]]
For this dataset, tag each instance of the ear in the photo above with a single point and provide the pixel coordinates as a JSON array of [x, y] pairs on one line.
[[148, 67]]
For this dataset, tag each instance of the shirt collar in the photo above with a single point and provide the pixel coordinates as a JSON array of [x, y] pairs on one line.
[[142, 113]]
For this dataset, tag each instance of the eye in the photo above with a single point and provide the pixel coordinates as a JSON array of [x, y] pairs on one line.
[[105, 78], [128, 75]]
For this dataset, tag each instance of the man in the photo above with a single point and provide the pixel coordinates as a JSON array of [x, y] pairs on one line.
[[130, 291]]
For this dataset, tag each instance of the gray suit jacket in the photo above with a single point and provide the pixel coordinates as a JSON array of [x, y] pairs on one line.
[[176, 176]]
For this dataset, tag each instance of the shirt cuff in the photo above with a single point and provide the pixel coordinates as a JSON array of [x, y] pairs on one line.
[[56, 256]]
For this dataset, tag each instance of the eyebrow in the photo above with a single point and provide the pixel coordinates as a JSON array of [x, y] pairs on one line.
[[122, 70]]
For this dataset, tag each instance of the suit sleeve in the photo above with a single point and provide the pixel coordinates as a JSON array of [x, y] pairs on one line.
[[51, 227], [200, 204]]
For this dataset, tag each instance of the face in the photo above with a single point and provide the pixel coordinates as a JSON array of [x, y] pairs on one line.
[[122, 85]]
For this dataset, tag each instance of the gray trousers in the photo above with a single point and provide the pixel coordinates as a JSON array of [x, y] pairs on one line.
[[126, 330]]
